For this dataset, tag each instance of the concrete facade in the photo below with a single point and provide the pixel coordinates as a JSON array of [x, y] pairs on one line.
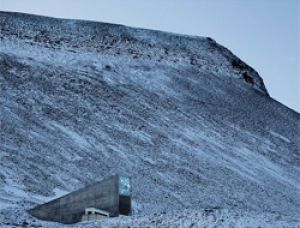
[[104, 195]]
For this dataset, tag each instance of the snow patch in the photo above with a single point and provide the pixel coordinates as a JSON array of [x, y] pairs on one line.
[[78, 139], [283, 138]]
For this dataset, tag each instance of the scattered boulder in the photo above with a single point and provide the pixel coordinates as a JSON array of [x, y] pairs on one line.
[[247, 78]]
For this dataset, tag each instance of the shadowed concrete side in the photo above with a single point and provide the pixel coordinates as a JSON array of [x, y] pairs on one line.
[[104, 195]]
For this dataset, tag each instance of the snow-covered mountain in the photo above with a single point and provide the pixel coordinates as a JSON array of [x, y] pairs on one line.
[[190, 123]]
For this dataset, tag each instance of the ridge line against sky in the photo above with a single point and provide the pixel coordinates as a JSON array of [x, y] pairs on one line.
[[264, 34]]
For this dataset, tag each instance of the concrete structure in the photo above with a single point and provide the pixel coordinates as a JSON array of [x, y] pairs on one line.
[[112, 194], [94, 214]]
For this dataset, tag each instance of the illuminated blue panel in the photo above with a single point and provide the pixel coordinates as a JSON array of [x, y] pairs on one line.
[[124, 186]]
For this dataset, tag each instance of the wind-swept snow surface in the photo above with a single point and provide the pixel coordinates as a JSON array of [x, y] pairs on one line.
[[189, 122]]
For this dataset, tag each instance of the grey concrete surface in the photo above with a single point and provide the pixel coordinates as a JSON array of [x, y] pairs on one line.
[[69, 209]]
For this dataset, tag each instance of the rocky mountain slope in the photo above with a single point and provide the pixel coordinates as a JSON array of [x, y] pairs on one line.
[[190, 123]]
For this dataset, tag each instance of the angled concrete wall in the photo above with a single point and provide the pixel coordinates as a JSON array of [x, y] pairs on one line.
[[103, 195]]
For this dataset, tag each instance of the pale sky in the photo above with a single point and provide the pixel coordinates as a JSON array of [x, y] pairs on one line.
[[263, 33]]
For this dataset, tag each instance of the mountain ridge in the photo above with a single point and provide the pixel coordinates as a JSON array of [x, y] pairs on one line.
[[188, 121], [126, 34]]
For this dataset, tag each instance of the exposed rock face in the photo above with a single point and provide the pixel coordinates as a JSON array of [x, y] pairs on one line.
[[82, 100]]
